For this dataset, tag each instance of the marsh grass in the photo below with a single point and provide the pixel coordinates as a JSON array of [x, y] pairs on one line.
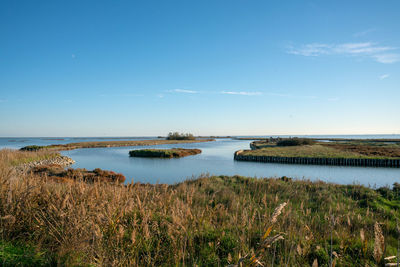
[[164, 153], [311, 151], [11, 157], [209, 221]]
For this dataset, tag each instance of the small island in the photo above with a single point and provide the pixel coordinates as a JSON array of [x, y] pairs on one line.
[[164, 153]]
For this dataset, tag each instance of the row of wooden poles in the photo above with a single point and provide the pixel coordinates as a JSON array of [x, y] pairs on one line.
[[393, 163]]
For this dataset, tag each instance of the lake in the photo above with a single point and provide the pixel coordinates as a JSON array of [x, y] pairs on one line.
[[216, 159]]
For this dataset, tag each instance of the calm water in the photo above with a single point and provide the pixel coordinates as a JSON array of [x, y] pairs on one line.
[[216, 159]]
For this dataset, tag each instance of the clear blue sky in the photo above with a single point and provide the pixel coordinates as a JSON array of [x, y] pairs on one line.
[[134, 68]]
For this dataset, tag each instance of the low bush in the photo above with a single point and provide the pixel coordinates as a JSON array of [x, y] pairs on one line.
[[180, 136], [31, 148], [57, 172], [295, 142]]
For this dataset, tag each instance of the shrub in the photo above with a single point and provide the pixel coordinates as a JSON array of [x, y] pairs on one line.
[[31, 148], [180, 136], [295, 142], [57, 172]]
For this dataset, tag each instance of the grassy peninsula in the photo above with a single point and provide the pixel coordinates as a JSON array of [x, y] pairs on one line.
[[308, 148], [208, 221], [164, 153], [311, 151]]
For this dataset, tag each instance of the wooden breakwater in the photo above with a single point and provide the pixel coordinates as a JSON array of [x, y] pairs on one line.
[[391, 163]]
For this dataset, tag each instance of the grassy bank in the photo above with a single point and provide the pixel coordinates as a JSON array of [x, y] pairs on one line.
[[10, 157], [164, 153], [71, 146], [317, 151], [210, 221]]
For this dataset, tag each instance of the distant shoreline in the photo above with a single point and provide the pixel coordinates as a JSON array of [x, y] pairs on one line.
[[71, 146]]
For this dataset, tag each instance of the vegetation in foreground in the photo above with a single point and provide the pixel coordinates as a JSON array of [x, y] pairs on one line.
[[164, 153], [210, 221]]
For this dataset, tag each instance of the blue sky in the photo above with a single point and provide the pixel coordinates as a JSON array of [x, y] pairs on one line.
[[134, 68]]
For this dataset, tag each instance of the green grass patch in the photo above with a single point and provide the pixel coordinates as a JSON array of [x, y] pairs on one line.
[[164, 153], [12, 254]]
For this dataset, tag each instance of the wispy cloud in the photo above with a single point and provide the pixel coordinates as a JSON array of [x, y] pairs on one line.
[[365, 49], [241, 93], [293, 96], [308, 50], [310, 97], [384, 76], [120, 95], [387, 58], [184, 91], [363, 33]]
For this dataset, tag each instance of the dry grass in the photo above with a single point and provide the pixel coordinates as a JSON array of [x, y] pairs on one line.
[[311, 151], [10, 157], [210, 221], [369, 149]]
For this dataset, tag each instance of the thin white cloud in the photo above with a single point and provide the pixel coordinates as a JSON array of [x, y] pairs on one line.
[[360, 48], [366, 49], [130, 95], [241, 93], [120, 95], [363, 33], [308, 50], [293, 96], [384, 76], [387, 58], [73, 56], [184, 91], [331, 99]]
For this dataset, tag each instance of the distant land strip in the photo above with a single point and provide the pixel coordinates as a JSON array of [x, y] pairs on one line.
[[71, 146]]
